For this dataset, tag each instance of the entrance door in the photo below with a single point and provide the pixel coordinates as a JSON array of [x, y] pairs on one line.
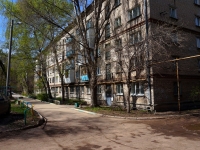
[[108, 95]]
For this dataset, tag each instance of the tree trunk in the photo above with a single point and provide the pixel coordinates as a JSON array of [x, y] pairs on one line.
[[93, 89], [128, 101]]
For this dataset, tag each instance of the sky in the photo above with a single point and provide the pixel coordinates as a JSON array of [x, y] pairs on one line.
[[3, 22]]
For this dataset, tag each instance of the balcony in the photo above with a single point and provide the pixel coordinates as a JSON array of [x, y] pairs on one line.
[[70, 66], [84, 78], [70, 53]]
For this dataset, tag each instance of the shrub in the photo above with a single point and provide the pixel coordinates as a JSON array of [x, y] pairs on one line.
[[42, 97], [33, 96]]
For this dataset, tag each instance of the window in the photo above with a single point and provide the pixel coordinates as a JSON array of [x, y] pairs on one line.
[[107, 10], [118, 67], [119, 89], [135, 12], [198, 42], [117, 2], [99, 53], [135, 38], [197, 2], [107, 55], [82, 89], [107, 31], [108, 71], [77, 74], [71, 90], [137, 88], [98, 70], [173, 13], [88, 90], [53, 80], [197, 21], [89, 24], [99, 89], [117, 22], [118, 43]]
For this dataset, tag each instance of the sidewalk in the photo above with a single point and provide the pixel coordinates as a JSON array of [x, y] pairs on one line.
[[69, 128]]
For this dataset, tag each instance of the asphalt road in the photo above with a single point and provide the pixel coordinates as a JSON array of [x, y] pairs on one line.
[[70, 129]]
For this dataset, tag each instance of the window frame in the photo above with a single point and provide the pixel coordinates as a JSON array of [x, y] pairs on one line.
[[71, 90], [98, 70], [117, 3], [131, 12], [173, 13], [119, 89], [88, 90], [117, 22], [197, 21], [135, 37], [137, 89], [107, 55], [197, 2], [107, 31]]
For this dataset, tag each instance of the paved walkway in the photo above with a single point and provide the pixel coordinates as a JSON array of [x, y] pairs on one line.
[[69, 129]]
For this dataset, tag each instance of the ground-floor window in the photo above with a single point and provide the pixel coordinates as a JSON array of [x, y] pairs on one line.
[[71, 90], [137, 88], [82, 89], [88, 90], [119, 89]]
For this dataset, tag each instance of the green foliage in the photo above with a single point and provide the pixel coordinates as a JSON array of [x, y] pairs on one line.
[[72, 101], [195, 92], [42, 97], [33, 96]]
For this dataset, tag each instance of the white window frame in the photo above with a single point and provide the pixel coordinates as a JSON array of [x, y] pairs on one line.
[[137, 89], [119, 89], [197, 2], [173, 12], [197, 21], [118, 22], [88, 90], [98, 70], [198, 42], [134, 13], [135, 37], [82, 89]]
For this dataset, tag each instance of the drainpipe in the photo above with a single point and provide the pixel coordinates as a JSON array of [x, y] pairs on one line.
[[147, 53]]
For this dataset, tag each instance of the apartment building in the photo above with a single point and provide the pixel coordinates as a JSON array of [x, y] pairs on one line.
[[122, 50]]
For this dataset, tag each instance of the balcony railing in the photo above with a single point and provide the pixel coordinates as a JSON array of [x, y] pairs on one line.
[[84, 78], [70, 53]]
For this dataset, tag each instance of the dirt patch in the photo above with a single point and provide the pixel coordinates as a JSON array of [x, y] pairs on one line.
[[15, 121]]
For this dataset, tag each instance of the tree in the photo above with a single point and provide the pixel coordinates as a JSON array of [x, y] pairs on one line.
[[39, 33]]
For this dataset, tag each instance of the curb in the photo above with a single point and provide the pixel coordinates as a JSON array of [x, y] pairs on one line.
[[133, 118]]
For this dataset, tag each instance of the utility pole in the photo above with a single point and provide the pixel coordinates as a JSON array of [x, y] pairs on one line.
[[178, 86], [9, 59]]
